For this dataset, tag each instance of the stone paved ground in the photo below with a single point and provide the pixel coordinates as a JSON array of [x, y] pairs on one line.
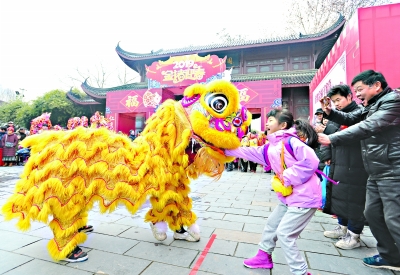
[[234, 209]]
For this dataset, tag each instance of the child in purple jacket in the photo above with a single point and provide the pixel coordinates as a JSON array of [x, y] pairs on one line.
[[295, 210]]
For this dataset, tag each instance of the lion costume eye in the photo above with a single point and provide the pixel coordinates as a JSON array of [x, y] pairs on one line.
[[217, 102]]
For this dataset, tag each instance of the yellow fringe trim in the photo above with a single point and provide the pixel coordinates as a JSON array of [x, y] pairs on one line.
[[60, 254], [69, 171]]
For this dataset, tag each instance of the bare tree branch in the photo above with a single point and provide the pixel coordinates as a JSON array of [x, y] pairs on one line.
[[7, 94], [312, 16]]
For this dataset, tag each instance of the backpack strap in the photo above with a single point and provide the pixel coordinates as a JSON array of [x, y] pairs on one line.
[[289, 147], [265, 153]]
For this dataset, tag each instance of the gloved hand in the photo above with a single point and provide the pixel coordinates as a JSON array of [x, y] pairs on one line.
[[280, 188]]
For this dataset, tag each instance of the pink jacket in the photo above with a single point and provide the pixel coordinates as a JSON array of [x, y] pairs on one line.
[[300, 172]]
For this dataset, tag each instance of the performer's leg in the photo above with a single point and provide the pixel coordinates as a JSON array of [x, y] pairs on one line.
[[176, 213], [64, 245]]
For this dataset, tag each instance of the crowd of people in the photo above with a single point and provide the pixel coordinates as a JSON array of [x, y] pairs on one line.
[[9, 142]]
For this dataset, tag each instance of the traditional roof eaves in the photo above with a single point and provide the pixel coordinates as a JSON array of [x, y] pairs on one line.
[[101, 93], [86, 101], [288, 78], [235, 45]]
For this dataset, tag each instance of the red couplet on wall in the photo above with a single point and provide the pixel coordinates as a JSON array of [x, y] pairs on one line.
[[1, 157]]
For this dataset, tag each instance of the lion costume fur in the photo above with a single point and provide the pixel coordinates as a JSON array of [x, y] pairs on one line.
[[69, 171]]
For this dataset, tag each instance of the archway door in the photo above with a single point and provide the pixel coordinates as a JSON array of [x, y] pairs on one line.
[[296, 100], [131, 121]]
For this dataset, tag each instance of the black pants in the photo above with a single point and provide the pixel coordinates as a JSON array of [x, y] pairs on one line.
[[353, 225], [253, 166], [229, 166], [243, 165], [382, 211]]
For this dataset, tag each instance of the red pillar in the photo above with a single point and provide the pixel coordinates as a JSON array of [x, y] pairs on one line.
[[263, 118]]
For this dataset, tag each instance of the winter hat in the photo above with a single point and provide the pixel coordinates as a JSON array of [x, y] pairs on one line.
[[319, 111]]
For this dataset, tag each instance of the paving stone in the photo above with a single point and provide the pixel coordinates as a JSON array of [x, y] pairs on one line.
[[109, 243], [359, 253], [314, 226], [264, 203], [281, 269], [165, 269], [369, 241], [112, 229], [104, 217], [217, 204], [198, 246], [367, 232], [141, 234], [11, 226], [43, 233], [244, 196], [10, 260], [317, 246], [260, 213], [11, 241], [324, 220], [246, 206], [221, 264], [228, 210], [254, 228], [342, 265], [122, 211], [249, 192], [237, 236], [206, 231], [36, 267], [133, 221], [220, 224], [162, 253], [38, 250], [197, 207], [101, 262], [316, 236], [246, 250], [245, 219], [210, 215], [227, 201]]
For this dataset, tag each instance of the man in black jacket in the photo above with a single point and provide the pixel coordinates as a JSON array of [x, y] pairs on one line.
[[377, 125], [347, 199]]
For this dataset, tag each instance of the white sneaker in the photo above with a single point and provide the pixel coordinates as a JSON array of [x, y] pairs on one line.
[[158, 234], [350, 241], [187, 236], [338, 232]]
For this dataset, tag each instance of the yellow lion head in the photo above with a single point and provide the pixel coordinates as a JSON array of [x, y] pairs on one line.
[[217, 118]]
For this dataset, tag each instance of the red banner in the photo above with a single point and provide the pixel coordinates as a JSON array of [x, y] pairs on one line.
[[185, 70]]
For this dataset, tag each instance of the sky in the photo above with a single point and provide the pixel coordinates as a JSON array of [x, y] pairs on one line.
[[43, 43]]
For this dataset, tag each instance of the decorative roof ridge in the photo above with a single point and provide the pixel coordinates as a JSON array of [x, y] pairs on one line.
[[77, 100], [102, 92], [237, 44], [282, 73], [287, 77]]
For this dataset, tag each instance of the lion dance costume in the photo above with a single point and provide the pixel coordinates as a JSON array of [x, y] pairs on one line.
[[69, 171]]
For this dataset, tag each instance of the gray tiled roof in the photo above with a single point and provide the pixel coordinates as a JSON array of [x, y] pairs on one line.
[[230, 45], [289, 77], [101, 92]]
